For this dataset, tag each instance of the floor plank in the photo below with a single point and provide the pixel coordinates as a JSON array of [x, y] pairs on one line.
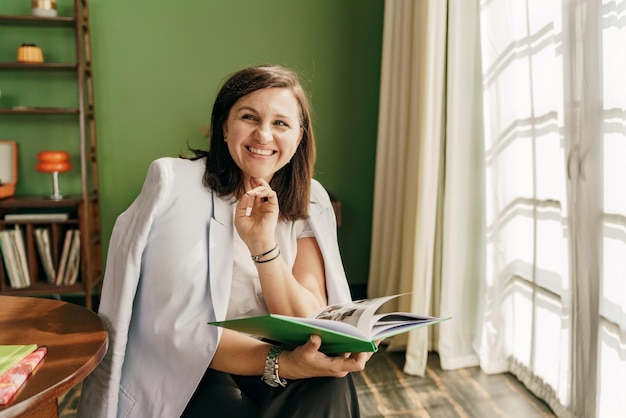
[[385, 391]]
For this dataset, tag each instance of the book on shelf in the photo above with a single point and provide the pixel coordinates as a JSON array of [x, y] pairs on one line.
[[67, 242], [344, 327], [50, 217], [20, 250], [16, 376], [10, 259], [10, 355], [73, 260], [42, 240]]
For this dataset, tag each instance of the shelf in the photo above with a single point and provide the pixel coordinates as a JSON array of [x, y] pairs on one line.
[[31, 110], [37, 20], [18, 202], [38, 66], [39, 288], [40, 222]]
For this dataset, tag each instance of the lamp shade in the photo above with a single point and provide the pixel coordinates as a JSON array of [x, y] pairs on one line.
[[50, 167], [51, 161]]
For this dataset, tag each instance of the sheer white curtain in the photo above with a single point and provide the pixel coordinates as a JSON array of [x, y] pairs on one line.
[[463, 238], [611, 365], [555, 137], [499, 201], [527, 315]]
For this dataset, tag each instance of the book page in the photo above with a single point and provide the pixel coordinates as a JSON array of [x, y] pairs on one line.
[[385, 325], [358, 313]]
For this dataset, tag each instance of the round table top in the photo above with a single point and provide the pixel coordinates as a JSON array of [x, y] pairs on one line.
[[76, 339]]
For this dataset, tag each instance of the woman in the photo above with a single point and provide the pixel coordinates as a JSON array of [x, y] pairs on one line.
[[206, 239]]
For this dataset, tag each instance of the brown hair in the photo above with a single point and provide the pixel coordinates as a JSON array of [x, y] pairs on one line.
[[292, 183]]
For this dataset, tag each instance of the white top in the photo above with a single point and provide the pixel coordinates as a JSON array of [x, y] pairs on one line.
[[246, 296]]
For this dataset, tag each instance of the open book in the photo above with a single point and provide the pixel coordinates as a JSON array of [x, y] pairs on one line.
[[344, 328]]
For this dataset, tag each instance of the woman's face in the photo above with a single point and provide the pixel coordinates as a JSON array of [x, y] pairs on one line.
[[263, 132]]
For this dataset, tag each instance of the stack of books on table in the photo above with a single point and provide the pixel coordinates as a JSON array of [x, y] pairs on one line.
[[17, 364]]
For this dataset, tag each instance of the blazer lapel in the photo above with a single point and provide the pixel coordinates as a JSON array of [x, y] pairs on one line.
[[220, 255]]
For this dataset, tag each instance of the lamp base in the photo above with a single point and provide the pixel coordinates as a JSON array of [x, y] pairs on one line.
[[56, 195]]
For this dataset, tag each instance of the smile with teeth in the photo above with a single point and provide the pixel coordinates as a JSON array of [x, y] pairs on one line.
[[265, 152]]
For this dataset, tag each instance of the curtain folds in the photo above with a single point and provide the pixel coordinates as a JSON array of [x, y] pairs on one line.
[[463, 224], [408, 163], [498, 198]]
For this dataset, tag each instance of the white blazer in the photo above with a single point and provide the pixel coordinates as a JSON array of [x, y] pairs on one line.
[[168, 273]]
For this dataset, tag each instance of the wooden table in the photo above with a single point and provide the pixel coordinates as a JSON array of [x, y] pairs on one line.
[[76, 339]]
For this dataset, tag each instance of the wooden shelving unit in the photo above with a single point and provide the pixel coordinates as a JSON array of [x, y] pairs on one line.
[[83, 209]]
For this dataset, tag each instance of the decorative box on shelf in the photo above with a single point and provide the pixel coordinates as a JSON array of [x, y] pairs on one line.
[[8, 168]]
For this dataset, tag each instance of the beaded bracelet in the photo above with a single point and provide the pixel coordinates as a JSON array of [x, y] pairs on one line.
[[256, 258], [271, 259]]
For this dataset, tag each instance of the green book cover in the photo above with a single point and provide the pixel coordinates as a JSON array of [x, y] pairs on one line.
[[10, 355], [344, 328]]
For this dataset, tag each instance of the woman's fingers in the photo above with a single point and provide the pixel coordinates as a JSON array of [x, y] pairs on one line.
[[258, 195]]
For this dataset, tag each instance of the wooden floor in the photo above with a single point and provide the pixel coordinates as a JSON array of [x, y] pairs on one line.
[[385, 391]]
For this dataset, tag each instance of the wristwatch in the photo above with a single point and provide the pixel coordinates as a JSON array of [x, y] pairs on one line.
[[270, 376]]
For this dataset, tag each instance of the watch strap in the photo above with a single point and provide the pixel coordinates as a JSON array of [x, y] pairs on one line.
[[270, 375]]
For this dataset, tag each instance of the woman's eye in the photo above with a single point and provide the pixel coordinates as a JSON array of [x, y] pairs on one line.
[[247, 117], [281, 123]]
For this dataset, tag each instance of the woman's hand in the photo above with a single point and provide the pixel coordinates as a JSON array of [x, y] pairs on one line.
[[240, 354], [306, 361], [257, 215], [296, 290]]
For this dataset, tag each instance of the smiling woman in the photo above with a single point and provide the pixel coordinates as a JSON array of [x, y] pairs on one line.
[[256, 234]]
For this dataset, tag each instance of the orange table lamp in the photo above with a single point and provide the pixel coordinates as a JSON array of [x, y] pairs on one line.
[[54, 162]]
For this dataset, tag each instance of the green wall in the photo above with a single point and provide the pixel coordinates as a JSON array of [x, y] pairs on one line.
[[157, 67]]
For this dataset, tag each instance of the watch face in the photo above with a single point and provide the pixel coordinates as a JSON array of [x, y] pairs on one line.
[[270, 381]]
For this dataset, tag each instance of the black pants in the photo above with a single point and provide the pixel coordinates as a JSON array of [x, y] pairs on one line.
[[221, 394]]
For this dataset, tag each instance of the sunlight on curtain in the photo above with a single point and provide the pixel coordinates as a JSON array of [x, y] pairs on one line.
[[551, 306], [612, 333], [528, 298], [408, 160]]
